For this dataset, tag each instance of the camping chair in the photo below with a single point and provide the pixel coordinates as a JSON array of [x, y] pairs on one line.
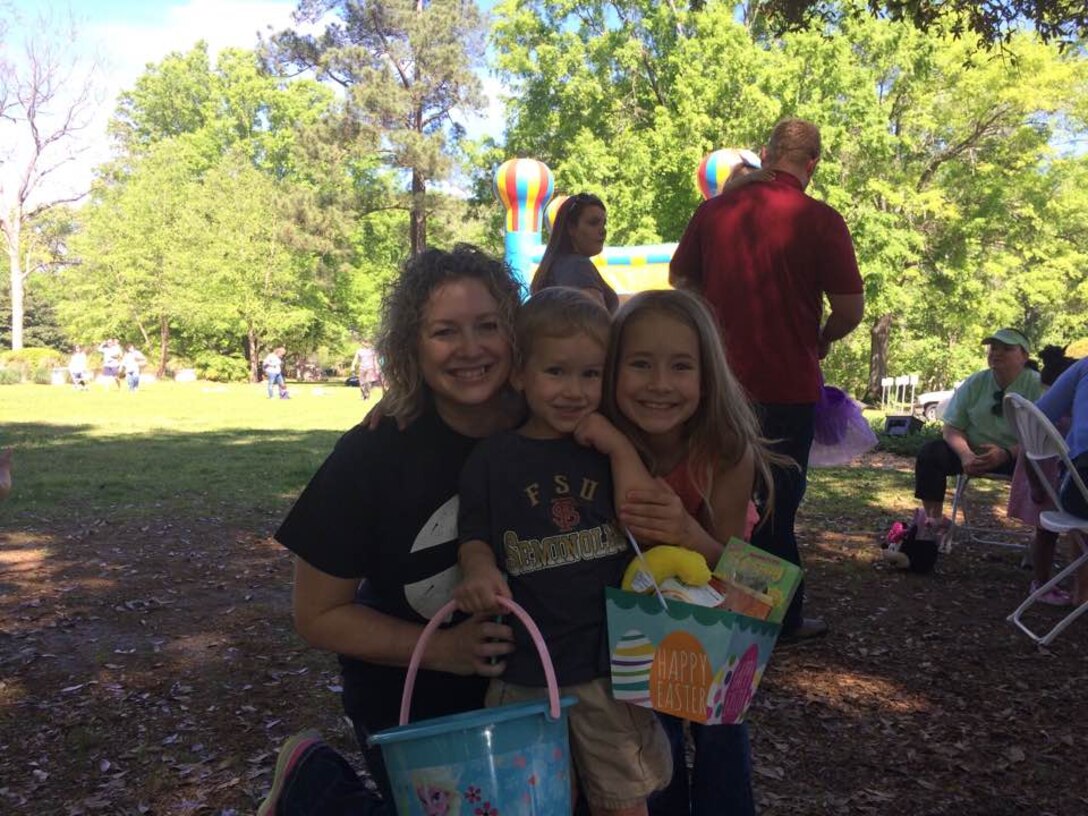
[[959, 497], [1040, 440]]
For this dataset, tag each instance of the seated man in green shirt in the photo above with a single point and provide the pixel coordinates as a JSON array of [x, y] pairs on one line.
[[976, 438]]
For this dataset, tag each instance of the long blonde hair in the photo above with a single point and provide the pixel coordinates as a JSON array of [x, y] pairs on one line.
[[724, 426]]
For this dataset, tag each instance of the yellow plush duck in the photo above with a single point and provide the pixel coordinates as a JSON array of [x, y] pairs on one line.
[[675, 570]]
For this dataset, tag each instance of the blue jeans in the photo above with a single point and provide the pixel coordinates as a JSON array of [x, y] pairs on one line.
[[133, 381], [790, 429], [273, 381], [721, 777]]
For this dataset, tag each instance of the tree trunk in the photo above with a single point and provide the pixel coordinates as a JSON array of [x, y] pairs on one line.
[[878, 356], [18, 293], [251, 345], [417, 223], [164, 345]]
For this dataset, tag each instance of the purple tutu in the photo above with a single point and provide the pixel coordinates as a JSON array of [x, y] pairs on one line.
[[840, 432]]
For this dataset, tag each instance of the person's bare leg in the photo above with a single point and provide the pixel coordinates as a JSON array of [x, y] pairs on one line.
[[1078, 541], [934, 510], [1042, 554]]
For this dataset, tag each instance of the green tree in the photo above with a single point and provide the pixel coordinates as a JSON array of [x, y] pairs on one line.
[[163, 252], [253, 282], [939, 156], [136, 253], [407, 67], [991, 21]]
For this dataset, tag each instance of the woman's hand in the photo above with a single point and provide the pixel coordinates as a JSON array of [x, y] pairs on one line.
[[657, 515], [972, 465], [473, 646], [990, 457]]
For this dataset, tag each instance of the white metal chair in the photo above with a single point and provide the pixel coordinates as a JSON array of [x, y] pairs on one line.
[[1040, 440], [959, 497]]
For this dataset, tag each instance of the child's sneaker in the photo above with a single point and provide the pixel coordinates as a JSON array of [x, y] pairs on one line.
[[288, 760], [1055, 596]]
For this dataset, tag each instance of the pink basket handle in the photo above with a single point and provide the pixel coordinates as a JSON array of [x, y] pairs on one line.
[[436, 621]]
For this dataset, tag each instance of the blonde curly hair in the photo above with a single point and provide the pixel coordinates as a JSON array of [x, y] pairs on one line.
[[403, 304]]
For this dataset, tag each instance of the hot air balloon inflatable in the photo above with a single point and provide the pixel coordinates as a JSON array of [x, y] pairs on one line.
[[524, 187]]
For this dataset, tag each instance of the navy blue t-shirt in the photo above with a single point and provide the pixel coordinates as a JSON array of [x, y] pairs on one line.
[[546, 507]]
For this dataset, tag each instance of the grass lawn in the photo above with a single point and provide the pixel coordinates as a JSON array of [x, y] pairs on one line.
[[148, 663], [171, 448]]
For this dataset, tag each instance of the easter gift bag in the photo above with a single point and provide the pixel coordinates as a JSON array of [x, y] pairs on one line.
[[701, 662]]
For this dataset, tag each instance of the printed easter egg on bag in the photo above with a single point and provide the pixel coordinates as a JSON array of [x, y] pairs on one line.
[[681, 676], [631, 662]]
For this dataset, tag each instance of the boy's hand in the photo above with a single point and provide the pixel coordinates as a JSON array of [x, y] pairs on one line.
[[479, 589], [594, 431]]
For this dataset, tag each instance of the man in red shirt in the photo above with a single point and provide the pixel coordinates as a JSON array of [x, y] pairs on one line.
[[765, 254]]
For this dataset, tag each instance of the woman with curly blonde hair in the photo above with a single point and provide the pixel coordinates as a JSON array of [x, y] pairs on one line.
[[375, 531]]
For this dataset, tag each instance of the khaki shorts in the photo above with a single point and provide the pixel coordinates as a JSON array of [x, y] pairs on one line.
[[620, 751]]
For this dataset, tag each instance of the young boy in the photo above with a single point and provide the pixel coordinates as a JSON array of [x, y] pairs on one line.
[[537, 507]]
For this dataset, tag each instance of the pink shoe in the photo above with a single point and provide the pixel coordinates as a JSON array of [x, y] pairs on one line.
[[1053, 597]]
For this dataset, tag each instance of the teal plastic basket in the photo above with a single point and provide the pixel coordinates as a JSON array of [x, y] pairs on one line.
[[513, 760]]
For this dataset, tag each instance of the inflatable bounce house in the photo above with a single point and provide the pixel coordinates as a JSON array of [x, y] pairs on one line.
[[525, 187]]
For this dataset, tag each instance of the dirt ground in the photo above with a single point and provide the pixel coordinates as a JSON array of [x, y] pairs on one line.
[[152, 668]]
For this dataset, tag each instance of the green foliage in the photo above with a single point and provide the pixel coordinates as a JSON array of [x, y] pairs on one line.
[[222, 224], [941, 158], [990, 21], [406, 66], [9, 376], [31, 364], [1078, 348], [907, 445], [221, 368], [29, 359], [40, 324]]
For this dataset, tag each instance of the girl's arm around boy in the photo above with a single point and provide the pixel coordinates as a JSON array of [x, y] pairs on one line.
[[651, 510]]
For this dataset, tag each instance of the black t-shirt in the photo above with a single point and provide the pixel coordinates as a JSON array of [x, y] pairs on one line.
[[579, 272], [545, 506], [383, 507]]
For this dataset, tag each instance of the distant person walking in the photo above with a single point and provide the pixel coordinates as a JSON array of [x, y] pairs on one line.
[[365, 365], [273, 372], [765, 255], [111, 359], [77, 368], [131, 362]]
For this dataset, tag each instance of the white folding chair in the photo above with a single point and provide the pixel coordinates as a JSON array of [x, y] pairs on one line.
[[1040, 440], [959, 497]]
